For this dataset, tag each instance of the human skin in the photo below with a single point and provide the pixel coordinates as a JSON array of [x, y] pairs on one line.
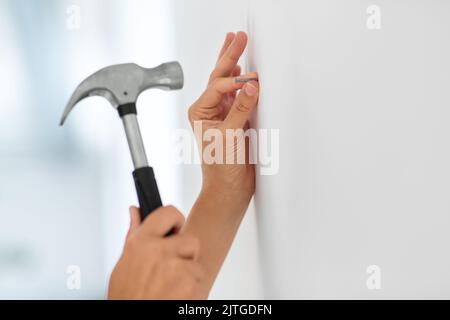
[[227, 188], [155, 267], [185, 265]]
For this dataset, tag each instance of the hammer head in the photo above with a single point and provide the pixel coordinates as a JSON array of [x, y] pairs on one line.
[[122, 84]]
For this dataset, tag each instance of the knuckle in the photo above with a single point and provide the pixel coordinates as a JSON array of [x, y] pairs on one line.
[[243, 106], [191, 113], [194, 110], [213, 75], [168, 214], [174, 213], [232, 58], [214, 88], [214, 83]]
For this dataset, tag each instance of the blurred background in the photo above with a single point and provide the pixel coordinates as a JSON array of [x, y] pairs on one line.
[[65, 192]]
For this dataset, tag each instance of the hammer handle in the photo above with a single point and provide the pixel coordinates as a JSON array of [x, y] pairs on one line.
[[147, 191]]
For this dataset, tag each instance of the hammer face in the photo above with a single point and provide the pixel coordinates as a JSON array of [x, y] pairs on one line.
[[122, 84]]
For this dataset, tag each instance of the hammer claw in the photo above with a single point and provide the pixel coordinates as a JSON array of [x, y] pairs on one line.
[[122, 84]]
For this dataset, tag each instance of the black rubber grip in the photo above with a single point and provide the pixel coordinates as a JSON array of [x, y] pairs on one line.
[[147, 191], [129, 108]]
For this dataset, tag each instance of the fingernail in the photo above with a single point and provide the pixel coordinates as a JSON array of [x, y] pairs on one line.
[[251, 88]]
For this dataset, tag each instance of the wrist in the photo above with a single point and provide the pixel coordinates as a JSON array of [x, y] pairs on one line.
[[223, 199], [229, 185]]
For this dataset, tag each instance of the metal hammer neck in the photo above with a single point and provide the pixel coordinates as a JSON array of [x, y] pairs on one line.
[[134, 139]]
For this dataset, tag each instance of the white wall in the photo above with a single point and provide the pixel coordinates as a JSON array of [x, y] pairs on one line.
[[363, 175]]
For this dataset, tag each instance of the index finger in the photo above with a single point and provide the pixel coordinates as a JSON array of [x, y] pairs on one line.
[[230, 57], [228, 40], [162, 221]]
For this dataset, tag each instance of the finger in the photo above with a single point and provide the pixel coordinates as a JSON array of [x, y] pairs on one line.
[[228, 40], [236, 71], [135, 221], [230, 58], [185, 246], [243, 106], [214, 93], [162, 221]]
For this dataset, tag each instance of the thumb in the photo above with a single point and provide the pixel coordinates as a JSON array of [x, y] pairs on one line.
[[135, 220], [243, 106]]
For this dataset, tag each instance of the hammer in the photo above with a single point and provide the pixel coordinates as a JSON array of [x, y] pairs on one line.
[[121, 85]]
